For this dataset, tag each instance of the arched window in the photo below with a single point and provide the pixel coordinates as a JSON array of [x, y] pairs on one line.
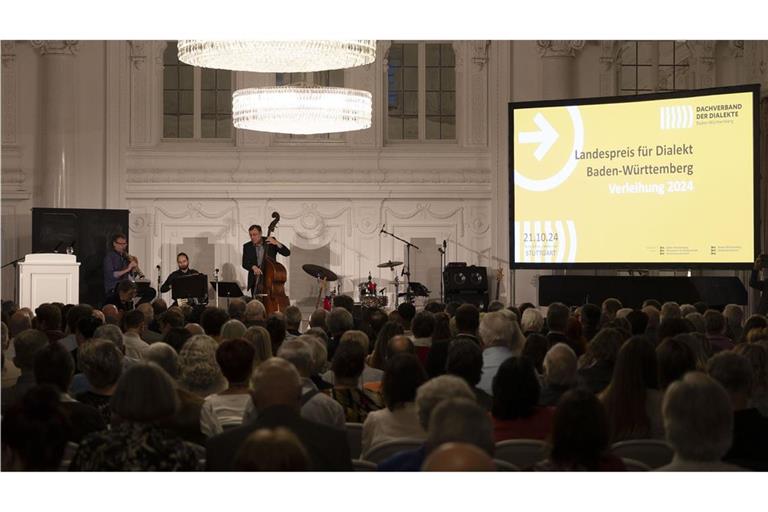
[[197, 102], [421, 92]]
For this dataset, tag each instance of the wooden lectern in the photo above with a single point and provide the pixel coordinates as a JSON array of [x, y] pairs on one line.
[[49, 278]]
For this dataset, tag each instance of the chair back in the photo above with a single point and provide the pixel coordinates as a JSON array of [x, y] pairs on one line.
[[651, 452], [522, 453], [355, 439], [383, 451], [502, 465]]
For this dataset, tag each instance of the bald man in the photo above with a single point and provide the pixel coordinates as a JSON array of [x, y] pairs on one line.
[[111, 314], [399, 344], [458, 457], [276, 396], [194, 328]]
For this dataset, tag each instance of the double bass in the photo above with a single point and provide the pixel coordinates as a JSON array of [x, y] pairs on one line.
[[274, 277]]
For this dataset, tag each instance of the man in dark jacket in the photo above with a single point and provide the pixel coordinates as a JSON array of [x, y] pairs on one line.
[[254, 252], [276, 394]]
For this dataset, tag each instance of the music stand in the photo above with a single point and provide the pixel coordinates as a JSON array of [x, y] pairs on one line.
[[228, 289], [188, 287]]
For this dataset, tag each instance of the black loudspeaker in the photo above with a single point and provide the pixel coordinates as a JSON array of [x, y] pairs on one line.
[[464, 279], [466, 285]]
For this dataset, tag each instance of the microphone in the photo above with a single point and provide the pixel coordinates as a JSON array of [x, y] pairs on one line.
[[157, 267], [445, 244], [56, 249], [382, 228]]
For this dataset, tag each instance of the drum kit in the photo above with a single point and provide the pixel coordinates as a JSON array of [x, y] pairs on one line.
[[371, 295]]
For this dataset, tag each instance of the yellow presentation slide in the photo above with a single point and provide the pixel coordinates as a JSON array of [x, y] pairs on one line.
[[658, 181]]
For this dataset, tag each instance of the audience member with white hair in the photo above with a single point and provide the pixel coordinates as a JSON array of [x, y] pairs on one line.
[[560, 366], [199, 372], [698, 420], [734, 318], [501, 339], [749, 448], [532, 321], [292, 322], [670, 310], [458, 457], [255, 314], [232, 329]]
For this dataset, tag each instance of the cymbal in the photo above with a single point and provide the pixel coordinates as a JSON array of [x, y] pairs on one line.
[[319, 272], [390, 264]]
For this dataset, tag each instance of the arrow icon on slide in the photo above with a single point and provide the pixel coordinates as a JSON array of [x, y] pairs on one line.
[[545, 137]]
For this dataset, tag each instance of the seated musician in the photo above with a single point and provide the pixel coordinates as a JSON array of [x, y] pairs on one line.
[[122, 296], [254, 252], [182, 260], [120, 266]]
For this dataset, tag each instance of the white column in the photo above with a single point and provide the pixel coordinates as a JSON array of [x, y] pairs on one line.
[[58, 117], [557, 67]]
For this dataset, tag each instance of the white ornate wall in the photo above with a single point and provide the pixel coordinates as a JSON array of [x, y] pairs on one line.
[[334, 193]]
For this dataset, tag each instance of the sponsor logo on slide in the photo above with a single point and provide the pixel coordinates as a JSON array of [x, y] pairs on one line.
[[545, 241], [677, 117]]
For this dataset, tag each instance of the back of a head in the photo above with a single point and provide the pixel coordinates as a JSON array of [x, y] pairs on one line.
[[697, 319], [403, 375], [159, 306], [48, 317], [339, 320], [299, 353], [164, 356], [319, 350], [318, 318], [272, 450], [515, 389], [112, 333], [102, 362], [580, 430], [262, 342], [54, 365], [147, 311], [355, 336], [654, 317], [292, 318], [651, 303], [87, 326], [407, 312], [460, 420], [636, 366], [212, 320], [532, 320], [275, 382], [465, 359], [714, 322], [177, 337], [349, 360], [467, 318], [671, 327], [435, 307], [496, 329], [605, 345], [18, 323], [235, 358], [557, 316], [133, 319], [400, 344], [670, 310], [535, 349], [75, 314], [733, 371], [35, 431], [435, 390], [255, 311], [638, 321], [458, 457], [344, 301], [171, 319], [674, 359], [27, 344], [560, 365], [423, 324], [232, 329], [610, 307], [686, 309], [698, 418], [734, 314], [145, 394], [276, 327], [236, 309]]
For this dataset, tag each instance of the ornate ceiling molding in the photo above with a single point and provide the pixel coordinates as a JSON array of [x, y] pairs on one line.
[[56, 47], [559, 48]]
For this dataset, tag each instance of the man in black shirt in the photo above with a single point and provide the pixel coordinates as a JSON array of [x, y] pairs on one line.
[[759, 284], [182, 260]]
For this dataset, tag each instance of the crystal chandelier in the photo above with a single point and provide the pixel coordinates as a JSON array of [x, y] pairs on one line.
[[277, 56], [301, 109]]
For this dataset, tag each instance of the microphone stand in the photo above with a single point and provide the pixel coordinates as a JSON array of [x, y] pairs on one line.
[[15, 264], [216, 280], [407, 269], [442, 271]]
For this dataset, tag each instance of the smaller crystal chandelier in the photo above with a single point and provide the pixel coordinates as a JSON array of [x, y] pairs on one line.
[[301, 109], [278, 56]]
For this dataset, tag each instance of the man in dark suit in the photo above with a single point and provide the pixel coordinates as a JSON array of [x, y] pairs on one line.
[[276, 394], [254, 252]]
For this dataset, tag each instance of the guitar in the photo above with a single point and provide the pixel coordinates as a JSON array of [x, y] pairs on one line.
[[499, 277]]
